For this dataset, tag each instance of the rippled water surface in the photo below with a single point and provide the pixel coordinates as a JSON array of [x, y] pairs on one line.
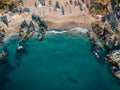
[[61, 61]]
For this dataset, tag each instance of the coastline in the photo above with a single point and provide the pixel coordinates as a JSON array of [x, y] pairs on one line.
[[72, 30], [57, 23], [70, 20], [104, 42], [54, 18]]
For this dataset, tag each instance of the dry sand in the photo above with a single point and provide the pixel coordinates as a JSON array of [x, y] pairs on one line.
[[54, 19]]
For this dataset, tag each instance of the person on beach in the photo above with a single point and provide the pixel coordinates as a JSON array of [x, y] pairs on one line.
[[50, 3], [84, 7], [62, 10], [81, 7], [78, 2], [35, 5], [20, 10], [118, 16], [87, 7], [42, 2], [57, 5], [21, 3], [75, 3], [82, 1], [71, 2], [66, 4]]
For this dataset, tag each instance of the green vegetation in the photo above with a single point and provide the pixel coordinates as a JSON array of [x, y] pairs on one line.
[[99, 7], [117, 2], [7, 5]]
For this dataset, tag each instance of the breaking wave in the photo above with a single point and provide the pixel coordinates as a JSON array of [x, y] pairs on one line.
[[78, 29], [56, 31]]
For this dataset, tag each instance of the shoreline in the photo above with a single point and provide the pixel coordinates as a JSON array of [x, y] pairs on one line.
[[73, 16], [76, 29], [72, 31], [52, 24]]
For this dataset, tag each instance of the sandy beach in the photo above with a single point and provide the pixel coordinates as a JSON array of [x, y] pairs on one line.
[[54, 19]]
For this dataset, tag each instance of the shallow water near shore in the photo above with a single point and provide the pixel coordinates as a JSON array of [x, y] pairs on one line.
[[61, 61]]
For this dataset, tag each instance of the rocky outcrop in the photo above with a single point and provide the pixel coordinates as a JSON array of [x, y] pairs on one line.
[[111, 41], [3, 29], [113, 57]]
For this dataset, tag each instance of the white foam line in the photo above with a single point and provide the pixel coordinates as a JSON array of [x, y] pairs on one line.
[[78, 29], [56, 32]]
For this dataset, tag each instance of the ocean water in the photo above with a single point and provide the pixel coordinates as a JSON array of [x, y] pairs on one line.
[[61, 61]]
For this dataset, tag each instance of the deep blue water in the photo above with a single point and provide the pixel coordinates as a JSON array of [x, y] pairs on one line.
[[58, 62]]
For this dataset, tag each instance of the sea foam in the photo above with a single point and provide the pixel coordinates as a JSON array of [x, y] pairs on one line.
[[78, 29], [56, 31], [73, 30]]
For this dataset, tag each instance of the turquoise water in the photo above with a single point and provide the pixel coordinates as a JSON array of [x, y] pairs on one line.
[[59, 62]]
